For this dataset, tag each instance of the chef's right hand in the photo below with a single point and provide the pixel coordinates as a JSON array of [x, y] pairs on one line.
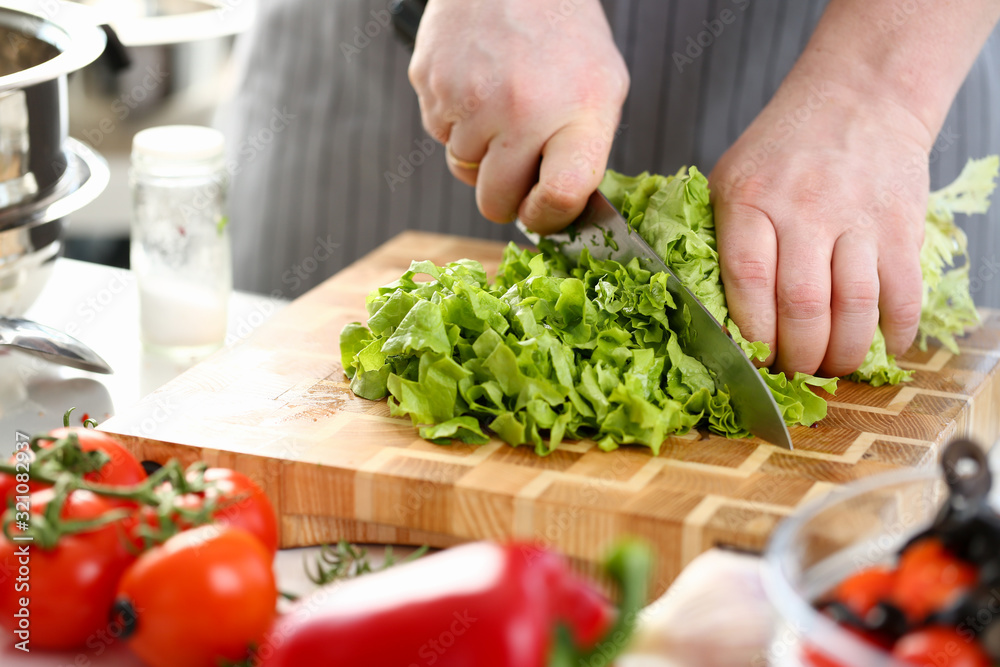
[[526, 96]]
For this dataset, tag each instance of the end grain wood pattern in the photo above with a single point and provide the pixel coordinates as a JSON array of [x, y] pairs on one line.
[[278, 407]]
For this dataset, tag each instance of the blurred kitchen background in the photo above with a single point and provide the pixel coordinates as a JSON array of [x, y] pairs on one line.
[[168, 62]]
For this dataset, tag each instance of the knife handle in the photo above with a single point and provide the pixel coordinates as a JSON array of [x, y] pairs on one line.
[[406, 15]]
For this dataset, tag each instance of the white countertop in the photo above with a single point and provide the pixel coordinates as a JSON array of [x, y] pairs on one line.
[[99, 306]]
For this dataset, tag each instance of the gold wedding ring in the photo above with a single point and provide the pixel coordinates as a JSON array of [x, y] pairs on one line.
[[457, 162]]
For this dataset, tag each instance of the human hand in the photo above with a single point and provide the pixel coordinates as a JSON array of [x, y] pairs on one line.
[[820, 210], [531, 92]]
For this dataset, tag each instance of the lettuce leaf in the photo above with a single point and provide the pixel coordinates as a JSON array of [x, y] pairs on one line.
[[879, 367], [551, 352], [948, 309], [545, 353], [674, 216]]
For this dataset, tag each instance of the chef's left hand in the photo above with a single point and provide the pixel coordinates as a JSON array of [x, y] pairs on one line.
[[820, 218]]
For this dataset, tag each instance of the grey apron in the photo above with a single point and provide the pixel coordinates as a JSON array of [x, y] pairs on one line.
[[330, 159]]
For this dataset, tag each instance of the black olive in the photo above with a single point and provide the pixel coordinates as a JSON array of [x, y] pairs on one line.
[[887, 619], [843, 614]]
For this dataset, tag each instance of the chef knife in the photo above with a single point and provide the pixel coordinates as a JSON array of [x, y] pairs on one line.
[[606, 234]]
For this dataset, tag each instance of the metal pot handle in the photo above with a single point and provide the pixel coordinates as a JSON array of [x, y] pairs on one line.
[[115, 55], [88, 191]]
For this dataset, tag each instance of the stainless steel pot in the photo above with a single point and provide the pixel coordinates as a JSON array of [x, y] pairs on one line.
[[44, 175], [168, 68], [40, 43], [31, 234]]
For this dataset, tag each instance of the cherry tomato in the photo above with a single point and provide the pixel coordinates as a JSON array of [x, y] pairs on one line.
[[71, 588], [205, 594], [122, 468], [863, 590], [929, 578], [239, 502], [941, 647]]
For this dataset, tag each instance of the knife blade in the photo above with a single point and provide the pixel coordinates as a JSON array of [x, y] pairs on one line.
[[607, 235]]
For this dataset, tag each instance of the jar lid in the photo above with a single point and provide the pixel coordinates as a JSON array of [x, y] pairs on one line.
[[178, 144]]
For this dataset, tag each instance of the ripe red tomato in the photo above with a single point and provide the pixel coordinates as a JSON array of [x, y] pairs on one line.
[[122, 469], [205, 594], [864, 589], [929, 578], [70, 589], [239, 503], [940, 647]]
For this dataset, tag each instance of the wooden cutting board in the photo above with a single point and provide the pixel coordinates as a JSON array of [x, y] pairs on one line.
[[277, 406]]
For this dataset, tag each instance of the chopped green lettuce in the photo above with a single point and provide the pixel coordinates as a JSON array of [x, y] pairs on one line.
[[553, 353], [674, 216], [879, 367], [948, 309], [550, 352]]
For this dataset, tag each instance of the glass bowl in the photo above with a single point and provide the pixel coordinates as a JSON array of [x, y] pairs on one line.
[[863, 524]]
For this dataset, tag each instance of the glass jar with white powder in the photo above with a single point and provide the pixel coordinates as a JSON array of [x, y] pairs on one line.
[[180, 251]]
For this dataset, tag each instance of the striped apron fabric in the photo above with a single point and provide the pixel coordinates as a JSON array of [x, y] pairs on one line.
[[329, 158]]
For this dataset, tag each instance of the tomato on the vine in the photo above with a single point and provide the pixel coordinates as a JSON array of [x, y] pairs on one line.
[[205, 594], [238, 502], [71, 587], [121, 470], [938, 646]]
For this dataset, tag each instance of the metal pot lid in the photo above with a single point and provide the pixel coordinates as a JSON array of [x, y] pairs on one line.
[[85, 178], [60, 37], [153, 22]]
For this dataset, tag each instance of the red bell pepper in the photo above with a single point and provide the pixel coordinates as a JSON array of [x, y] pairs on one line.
[[482, 604]]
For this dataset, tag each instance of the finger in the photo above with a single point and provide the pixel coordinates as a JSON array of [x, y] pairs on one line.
[[854, 304], [433, 123], [803, 300], [748, 254], [573, 163], [900, 296], [467, 143], [506, 174]]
